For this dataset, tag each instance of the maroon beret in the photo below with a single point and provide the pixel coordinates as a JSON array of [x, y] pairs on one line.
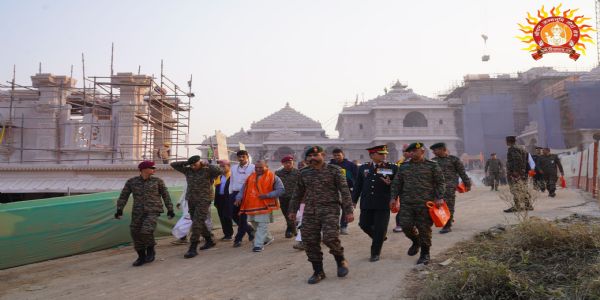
[[146, 165], [287, 158]]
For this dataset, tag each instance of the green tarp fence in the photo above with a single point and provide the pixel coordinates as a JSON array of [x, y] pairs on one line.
[[38, 230]]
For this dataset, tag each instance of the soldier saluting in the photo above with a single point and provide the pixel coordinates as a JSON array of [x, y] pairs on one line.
[[200, 178], [372, 187], [147, 192], [319, 187], [417, 181]]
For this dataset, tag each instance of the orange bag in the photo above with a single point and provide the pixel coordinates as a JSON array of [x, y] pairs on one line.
[[531, 173], [563, 182], [439, 215], [461, 187]]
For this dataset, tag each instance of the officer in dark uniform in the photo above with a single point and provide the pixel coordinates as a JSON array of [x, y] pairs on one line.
[[538, 178], [372, 187]]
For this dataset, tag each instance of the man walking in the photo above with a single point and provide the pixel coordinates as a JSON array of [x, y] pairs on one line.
[[147, 192], [239, 174], [516, 173], [417, 182], [538, 178], [222, 203], [200, 178], [547, 164], [493, 169], [373, 190], [405, 158], [319, 187], [349, 170], [289, 176], [258, 199], [453, 169]]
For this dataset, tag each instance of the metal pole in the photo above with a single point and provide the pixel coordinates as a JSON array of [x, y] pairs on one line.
[[22, 131]]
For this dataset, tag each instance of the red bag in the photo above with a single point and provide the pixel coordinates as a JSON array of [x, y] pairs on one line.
[[461, 187], [563, 182], [439, 215], [395, 207]]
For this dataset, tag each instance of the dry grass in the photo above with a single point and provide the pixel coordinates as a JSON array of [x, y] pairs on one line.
[[535, 259]]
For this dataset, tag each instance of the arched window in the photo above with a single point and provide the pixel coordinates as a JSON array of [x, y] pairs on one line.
[[415, 119]]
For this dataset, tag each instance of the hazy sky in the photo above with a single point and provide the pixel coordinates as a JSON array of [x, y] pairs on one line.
[[249, 58]]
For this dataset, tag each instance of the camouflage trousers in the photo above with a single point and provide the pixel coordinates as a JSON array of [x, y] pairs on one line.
[[199, 213], [550, 182], [142, 229], [450, 198], [327, 221], [416, 222], [521, 197]]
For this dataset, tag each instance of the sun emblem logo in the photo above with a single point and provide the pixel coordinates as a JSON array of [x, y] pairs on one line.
[[556, 33]]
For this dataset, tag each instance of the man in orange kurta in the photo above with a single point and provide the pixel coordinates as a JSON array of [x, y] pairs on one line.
[[258, 200]]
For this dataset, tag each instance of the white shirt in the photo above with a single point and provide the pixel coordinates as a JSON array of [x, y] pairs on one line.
[[239, 176]]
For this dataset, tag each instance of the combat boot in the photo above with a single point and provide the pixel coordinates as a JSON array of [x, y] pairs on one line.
[[141, 258], [447, 228], [414, 248], [342, 266], [192, 251], [319, 273], [424, 258], [208, 244], [150, 253]]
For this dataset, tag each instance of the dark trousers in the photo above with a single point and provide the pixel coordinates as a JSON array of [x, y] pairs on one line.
[[375, 224], [397, 220], [224, 206], [240, 220], [494, 179], [290, 226]]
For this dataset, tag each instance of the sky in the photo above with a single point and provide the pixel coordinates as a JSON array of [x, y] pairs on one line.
[[248, 58]]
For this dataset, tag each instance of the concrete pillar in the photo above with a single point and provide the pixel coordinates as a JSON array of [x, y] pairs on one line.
[[129, 143]]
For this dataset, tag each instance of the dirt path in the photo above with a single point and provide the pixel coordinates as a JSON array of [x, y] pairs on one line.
[[279, 272]]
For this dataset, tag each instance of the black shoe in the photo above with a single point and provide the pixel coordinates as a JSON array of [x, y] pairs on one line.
[[237, 244], [424, 258], [208, 244], [141, 258], [318, 275], [374, 258], [288, 234], [446, 229], [342, 266], [552, 195], [414, 248], [511, 210], [192, 251], [150, 253]]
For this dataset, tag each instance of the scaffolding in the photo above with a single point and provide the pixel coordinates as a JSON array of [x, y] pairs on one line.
[[83, 125]]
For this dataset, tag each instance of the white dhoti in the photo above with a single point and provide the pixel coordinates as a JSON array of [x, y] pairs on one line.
[[183, 226]]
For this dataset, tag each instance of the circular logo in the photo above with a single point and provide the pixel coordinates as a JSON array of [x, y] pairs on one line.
[[556, 34]]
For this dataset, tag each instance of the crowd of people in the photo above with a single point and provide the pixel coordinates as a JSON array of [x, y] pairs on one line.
[[317, 199]]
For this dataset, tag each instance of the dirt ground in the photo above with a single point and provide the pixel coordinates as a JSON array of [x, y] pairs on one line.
[[279, 272]]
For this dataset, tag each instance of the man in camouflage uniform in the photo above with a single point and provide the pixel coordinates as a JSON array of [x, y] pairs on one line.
[[147, 192], [452, 168], [547, 164], [516, 172], [319, 187], [418, 181], [373, 189], [493, 171], [200, 179], [289, 176], [538, 178]]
